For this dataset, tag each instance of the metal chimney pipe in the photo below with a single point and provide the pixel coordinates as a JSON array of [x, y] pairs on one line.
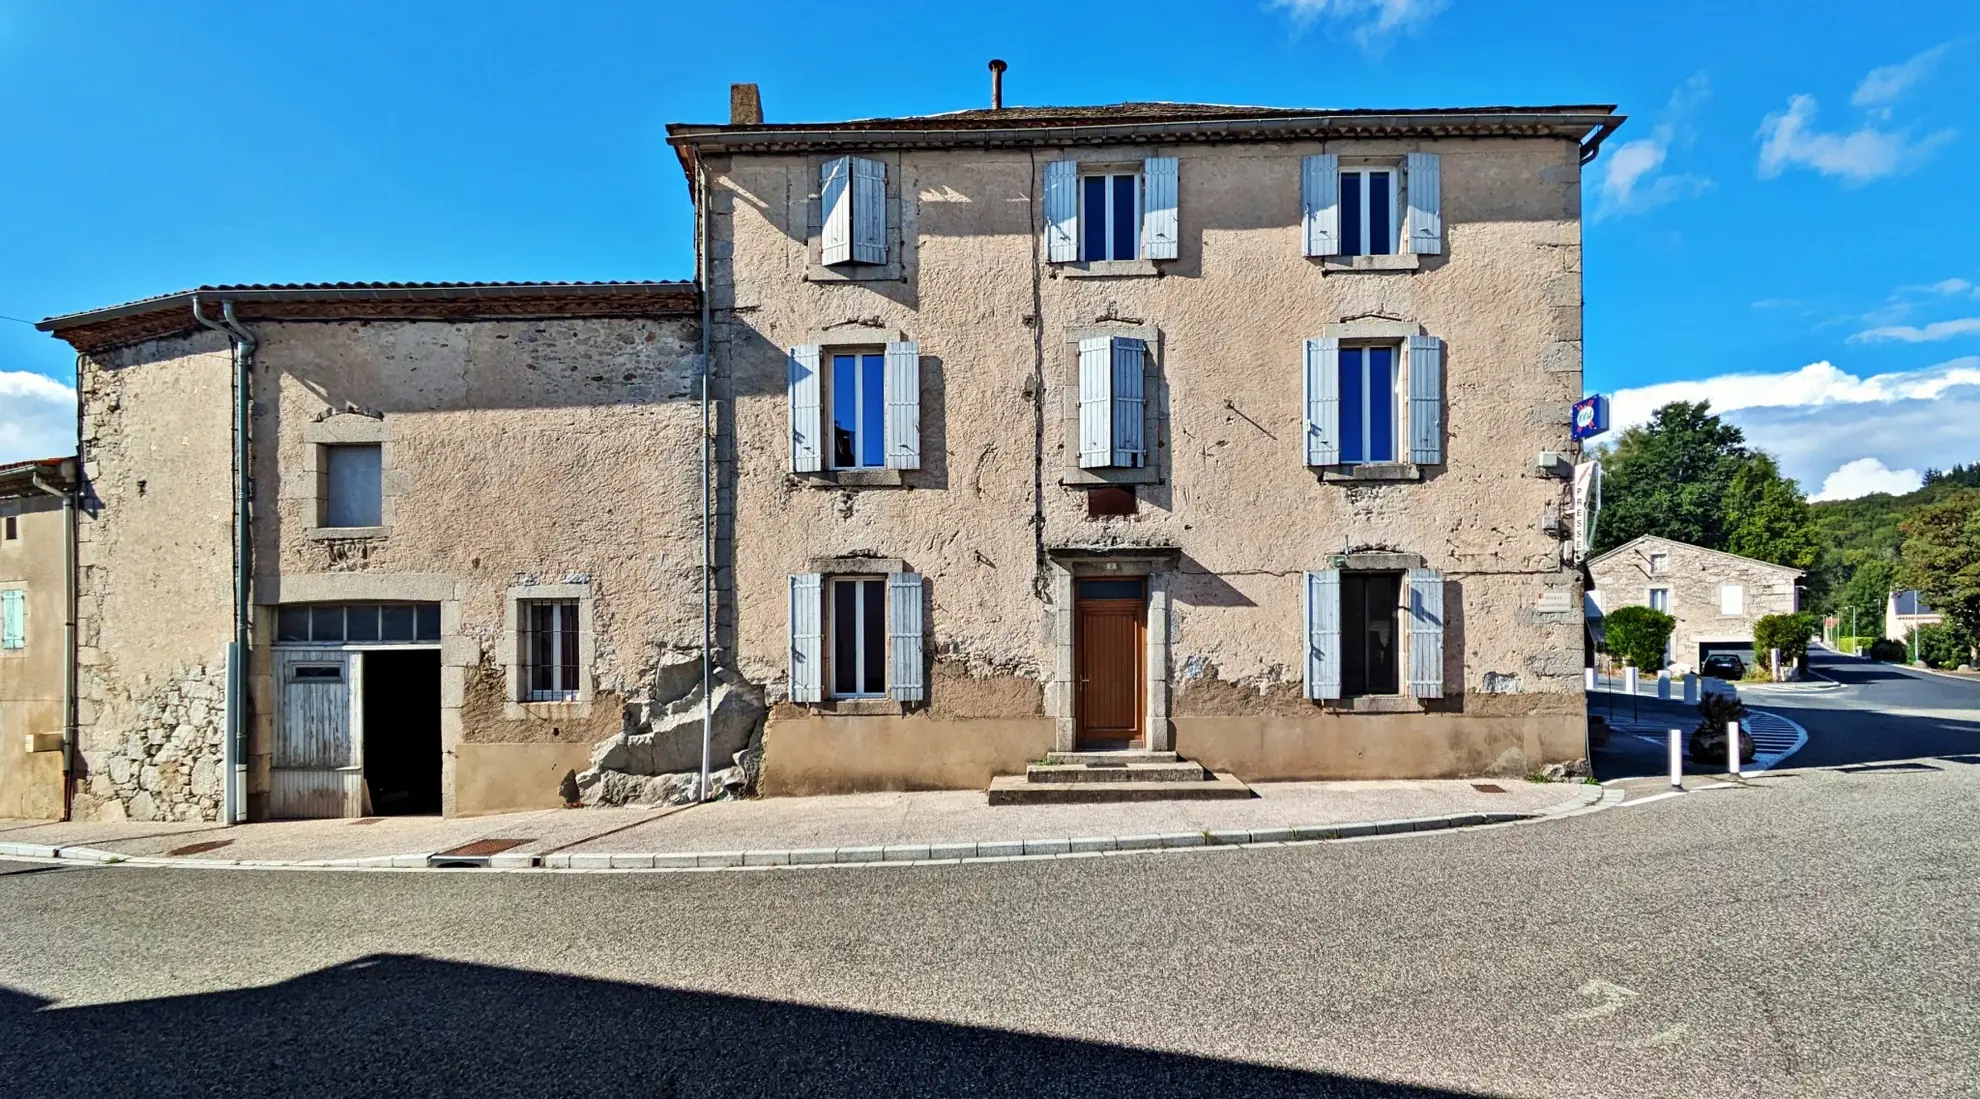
[[997, 84]]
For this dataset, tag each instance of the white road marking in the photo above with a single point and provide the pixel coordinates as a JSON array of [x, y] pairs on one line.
[[1653, 797], [1613, 996], [1669, 1036]]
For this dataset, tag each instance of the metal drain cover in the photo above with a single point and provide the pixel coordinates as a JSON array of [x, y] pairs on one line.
[[477, 853]]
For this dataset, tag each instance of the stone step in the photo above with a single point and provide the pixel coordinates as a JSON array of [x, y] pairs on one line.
[[1130, 755], [1180, 771], [1014, 790]]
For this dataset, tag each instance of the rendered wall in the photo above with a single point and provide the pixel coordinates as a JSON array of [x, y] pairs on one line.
[[31, 676]]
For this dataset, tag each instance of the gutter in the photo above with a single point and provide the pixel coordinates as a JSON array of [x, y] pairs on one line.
[[233, 752], [1591, 146], [68, 630], [707, 533]]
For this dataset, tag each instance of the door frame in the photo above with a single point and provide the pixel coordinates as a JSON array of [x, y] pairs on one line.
[[1154, 566], [1137, 665], [352, 653]]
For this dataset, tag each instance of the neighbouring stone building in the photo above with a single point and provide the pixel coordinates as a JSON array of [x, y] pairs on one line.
[[1715, 596], [34, 616], [1905, 611]]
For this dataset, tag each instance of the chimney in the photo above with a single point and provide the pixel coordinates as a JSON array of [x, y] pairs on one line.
[[745, 105], [997, 84]]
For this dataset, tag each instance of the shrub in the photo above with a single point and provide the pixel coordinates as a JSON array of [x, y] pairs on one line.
[[1708, 740], [1786, 632], [1638, 635], [1891, 652], [1939, 646]]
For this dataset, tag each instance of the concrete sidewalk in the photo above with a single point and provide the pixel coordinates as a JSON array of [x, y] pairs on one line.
[[840, 829]]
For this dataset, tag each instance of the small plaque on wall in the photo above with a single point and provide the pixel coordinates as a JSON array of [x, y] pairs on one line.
[[1555, 602]]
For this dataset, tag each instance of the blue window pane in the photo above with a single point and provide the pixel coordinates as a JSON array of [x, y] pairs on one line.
[[1126, 226], [872, 409], [1381, 404], [1350, 218], [845, 409], [1381, 231], [1352, 404], [1093, 219]]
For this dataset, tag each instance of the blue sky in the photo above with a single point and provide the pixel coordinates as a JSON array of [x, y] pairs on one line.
[[1782, 226]]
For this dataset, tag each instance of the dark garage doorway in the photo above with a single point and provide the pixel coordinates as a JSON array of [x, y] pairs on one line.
[[402, 731]]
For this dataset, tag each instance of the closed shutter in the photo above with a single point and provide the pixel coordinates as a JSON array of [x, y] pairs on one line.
[[835, 207], [13, 619], [869, 211], [1128, 402], [1426, 633], [1323, 634], [1320, 202], [807, 418], [1159, 227], [1096, 387], [1426, 400], [1323, 401], [903, 386], [1062, 211], [905, 622], [1422, 174], [807, 637]]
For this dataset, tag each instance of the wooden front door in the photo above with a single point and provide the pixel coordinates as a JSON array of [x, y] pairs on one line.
[[1109, 661], [317, 769]]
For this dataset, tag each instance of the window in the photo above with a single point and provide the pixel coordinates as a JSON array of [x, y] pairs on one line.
[[1368, 212], [1660, 599], [1660, 563], [550, 651], [358, 623], [1369, 601], [858, 413], [852, 195], [354, 490], [13, 619], [1368, 404], [1109, 216], [1732, 599], [13, 528], [857, 628]]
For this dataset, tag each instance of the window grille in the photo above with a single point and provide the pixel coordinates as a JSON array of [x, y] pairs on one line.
[[550, 647]]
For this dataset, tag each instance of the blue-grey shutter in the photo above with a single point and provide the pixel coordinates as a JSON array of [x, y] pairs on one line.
[[903, 390], [1323, 401], [869, 211], [905, 624], [1129, 402], [1320, 203], [807, 637], [1426, 633], [835, 209], [1096, 387], [13, 619], [1422, 175], [1062, 211], [1426, 400], [1323, 634], [1159, 227], [807, 417]]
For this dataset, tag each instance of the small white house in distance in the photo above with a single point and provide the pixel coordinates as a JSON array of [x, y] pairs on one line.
[[1905, 611], [1715, 596]]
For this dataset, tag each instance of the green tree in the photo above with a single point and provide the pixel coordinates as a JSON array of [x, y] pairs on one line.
[[1638, 635], [1766, 517], [1859, 603], [1670, 477], [1942, 560], [1786, 632], [1938, 646]]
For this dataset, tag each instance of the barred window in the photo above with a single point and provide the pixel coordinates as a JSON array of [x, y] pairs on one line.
[[550, 650]]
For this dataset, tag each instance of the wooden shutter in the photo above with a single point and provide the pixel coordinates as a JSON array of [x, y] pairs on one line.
[[807, 417], [1323, 401], [903, 386], [1426, 400], [807, 637], [1062, 211], [869, 211], [1128, 402], [1422, 175], [835, 209], [1320, 202], [905, 623], [1323, 634], [1426, 633], [13, 619], [1159, 227], [1096, 387]]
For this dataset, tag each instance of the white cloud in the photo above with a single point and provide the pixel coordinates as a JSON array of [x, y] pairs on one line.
[[1950, 287], [1912, 333], [1632, 182], [1789, 139], [37, 417], [1371, 23], [1813, 385], [1865, 476], [1888, 84]]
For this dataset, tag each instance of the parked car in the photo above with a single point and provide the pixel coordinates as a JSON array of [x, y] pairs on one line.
[[1723, 666]]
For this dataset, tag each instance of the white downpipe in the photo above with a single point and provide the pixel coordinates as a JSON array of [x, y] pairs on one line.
[[233, 746], [707, 533]]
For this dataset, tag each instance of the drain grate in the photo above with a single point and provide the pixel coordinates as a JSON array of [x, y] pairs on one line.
[[1488, 788], [199, 848], [494, 845]]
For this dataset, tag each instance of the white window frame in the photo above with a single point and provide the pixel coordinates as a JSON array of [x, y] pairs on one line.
[[1398, 446], [1140, 212], [1738, 592], [1650, 599], [828, 399], [563, 607], [829, 648], [1660, 564], [1360, 170]]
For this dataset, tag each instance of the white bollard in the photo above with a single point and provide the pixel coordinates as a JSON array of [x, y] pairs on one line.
[[1664, 686], [1775, 656], [1630, 681], [1588, 679], [1677, 758], [1732, 748], [1690, 689]]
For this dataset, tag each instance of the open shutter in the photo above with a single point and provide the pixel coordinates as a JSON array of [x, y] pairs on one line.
[[1320, 202], [1323, 402], [1422, 175], [807, 637], [1426, 633], [13, 615], [807, 419], [835, 208], [1323, 634], [1062, 211], [1426, 400], [1128, 402], [904, 627], [1158, 208], [1096, 387], [903, 386], [869, 211]]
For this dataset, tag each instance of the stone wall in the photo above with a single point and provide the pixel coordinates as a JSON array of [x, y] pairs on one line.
[[1694, 576]]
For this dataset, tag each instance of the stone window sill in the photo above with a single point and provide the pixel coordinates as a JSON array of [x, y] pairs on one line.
[[1372, 471], [1110, 269], [1340, 265], [346, 534], [859, 707], [850, 478], [1076, 477], [854, 272], [1380, 704]]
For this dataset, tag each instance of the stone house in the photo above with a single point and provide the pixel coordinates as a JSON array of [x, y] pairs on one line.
[[34, 634], [1715, 596]]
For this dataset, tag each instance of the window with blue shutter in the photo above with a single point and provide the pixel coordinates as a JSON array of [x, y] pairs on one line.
[[1322, 604], [807, 417], [858, 387], [1105, 215], [1061, 211], [905, 620], [13, 619], [1368, 212], [1112, 402], [852, 207], [1320, 204], [1159, 227], [1323, 402], [1426, 400], [807, 637], [1368, 404], [835, 208], [1423, 176], [903, 386], [1426, 633]]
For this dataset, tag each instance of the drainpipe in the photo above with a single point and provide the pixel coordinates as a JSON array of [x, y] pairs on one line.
[[707, 531], [233, 750], [68, 630]]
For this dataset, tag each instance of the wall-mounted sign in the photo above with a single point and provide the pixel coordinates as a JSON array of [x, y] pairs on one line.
[[1591, 416]]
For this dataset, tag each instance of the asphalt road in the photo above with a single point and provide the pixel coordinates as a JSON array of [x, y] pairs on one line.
[[1813, 934]]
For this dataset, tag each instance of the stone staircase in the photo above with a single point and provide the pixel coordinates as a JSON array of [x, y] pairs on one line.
[[1072, 777]]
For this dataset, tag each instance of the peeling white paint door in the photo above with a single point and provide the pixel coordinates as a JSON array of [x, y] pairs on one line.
[[316, 770]]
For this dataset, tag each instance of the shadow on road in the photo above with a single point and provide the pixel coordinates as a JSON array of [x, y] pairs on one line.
[[393, 1024]]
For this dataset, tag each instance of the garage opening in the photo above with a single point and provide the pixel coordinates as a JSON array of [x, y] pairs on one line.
[[402, 731]]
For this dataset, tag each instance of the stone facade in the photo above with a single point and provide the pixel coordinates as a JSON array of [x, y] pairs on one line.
[[1696, 581]]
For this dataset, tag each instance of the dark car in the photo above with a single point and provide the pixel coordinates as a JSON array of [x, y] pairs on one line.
[[1723, 666]]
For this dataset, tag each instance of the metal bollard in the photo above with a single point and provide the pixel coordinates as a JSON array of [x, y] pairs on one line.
[[1677, 758], [1732, 748], [1690, 689], [1663, 686]]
